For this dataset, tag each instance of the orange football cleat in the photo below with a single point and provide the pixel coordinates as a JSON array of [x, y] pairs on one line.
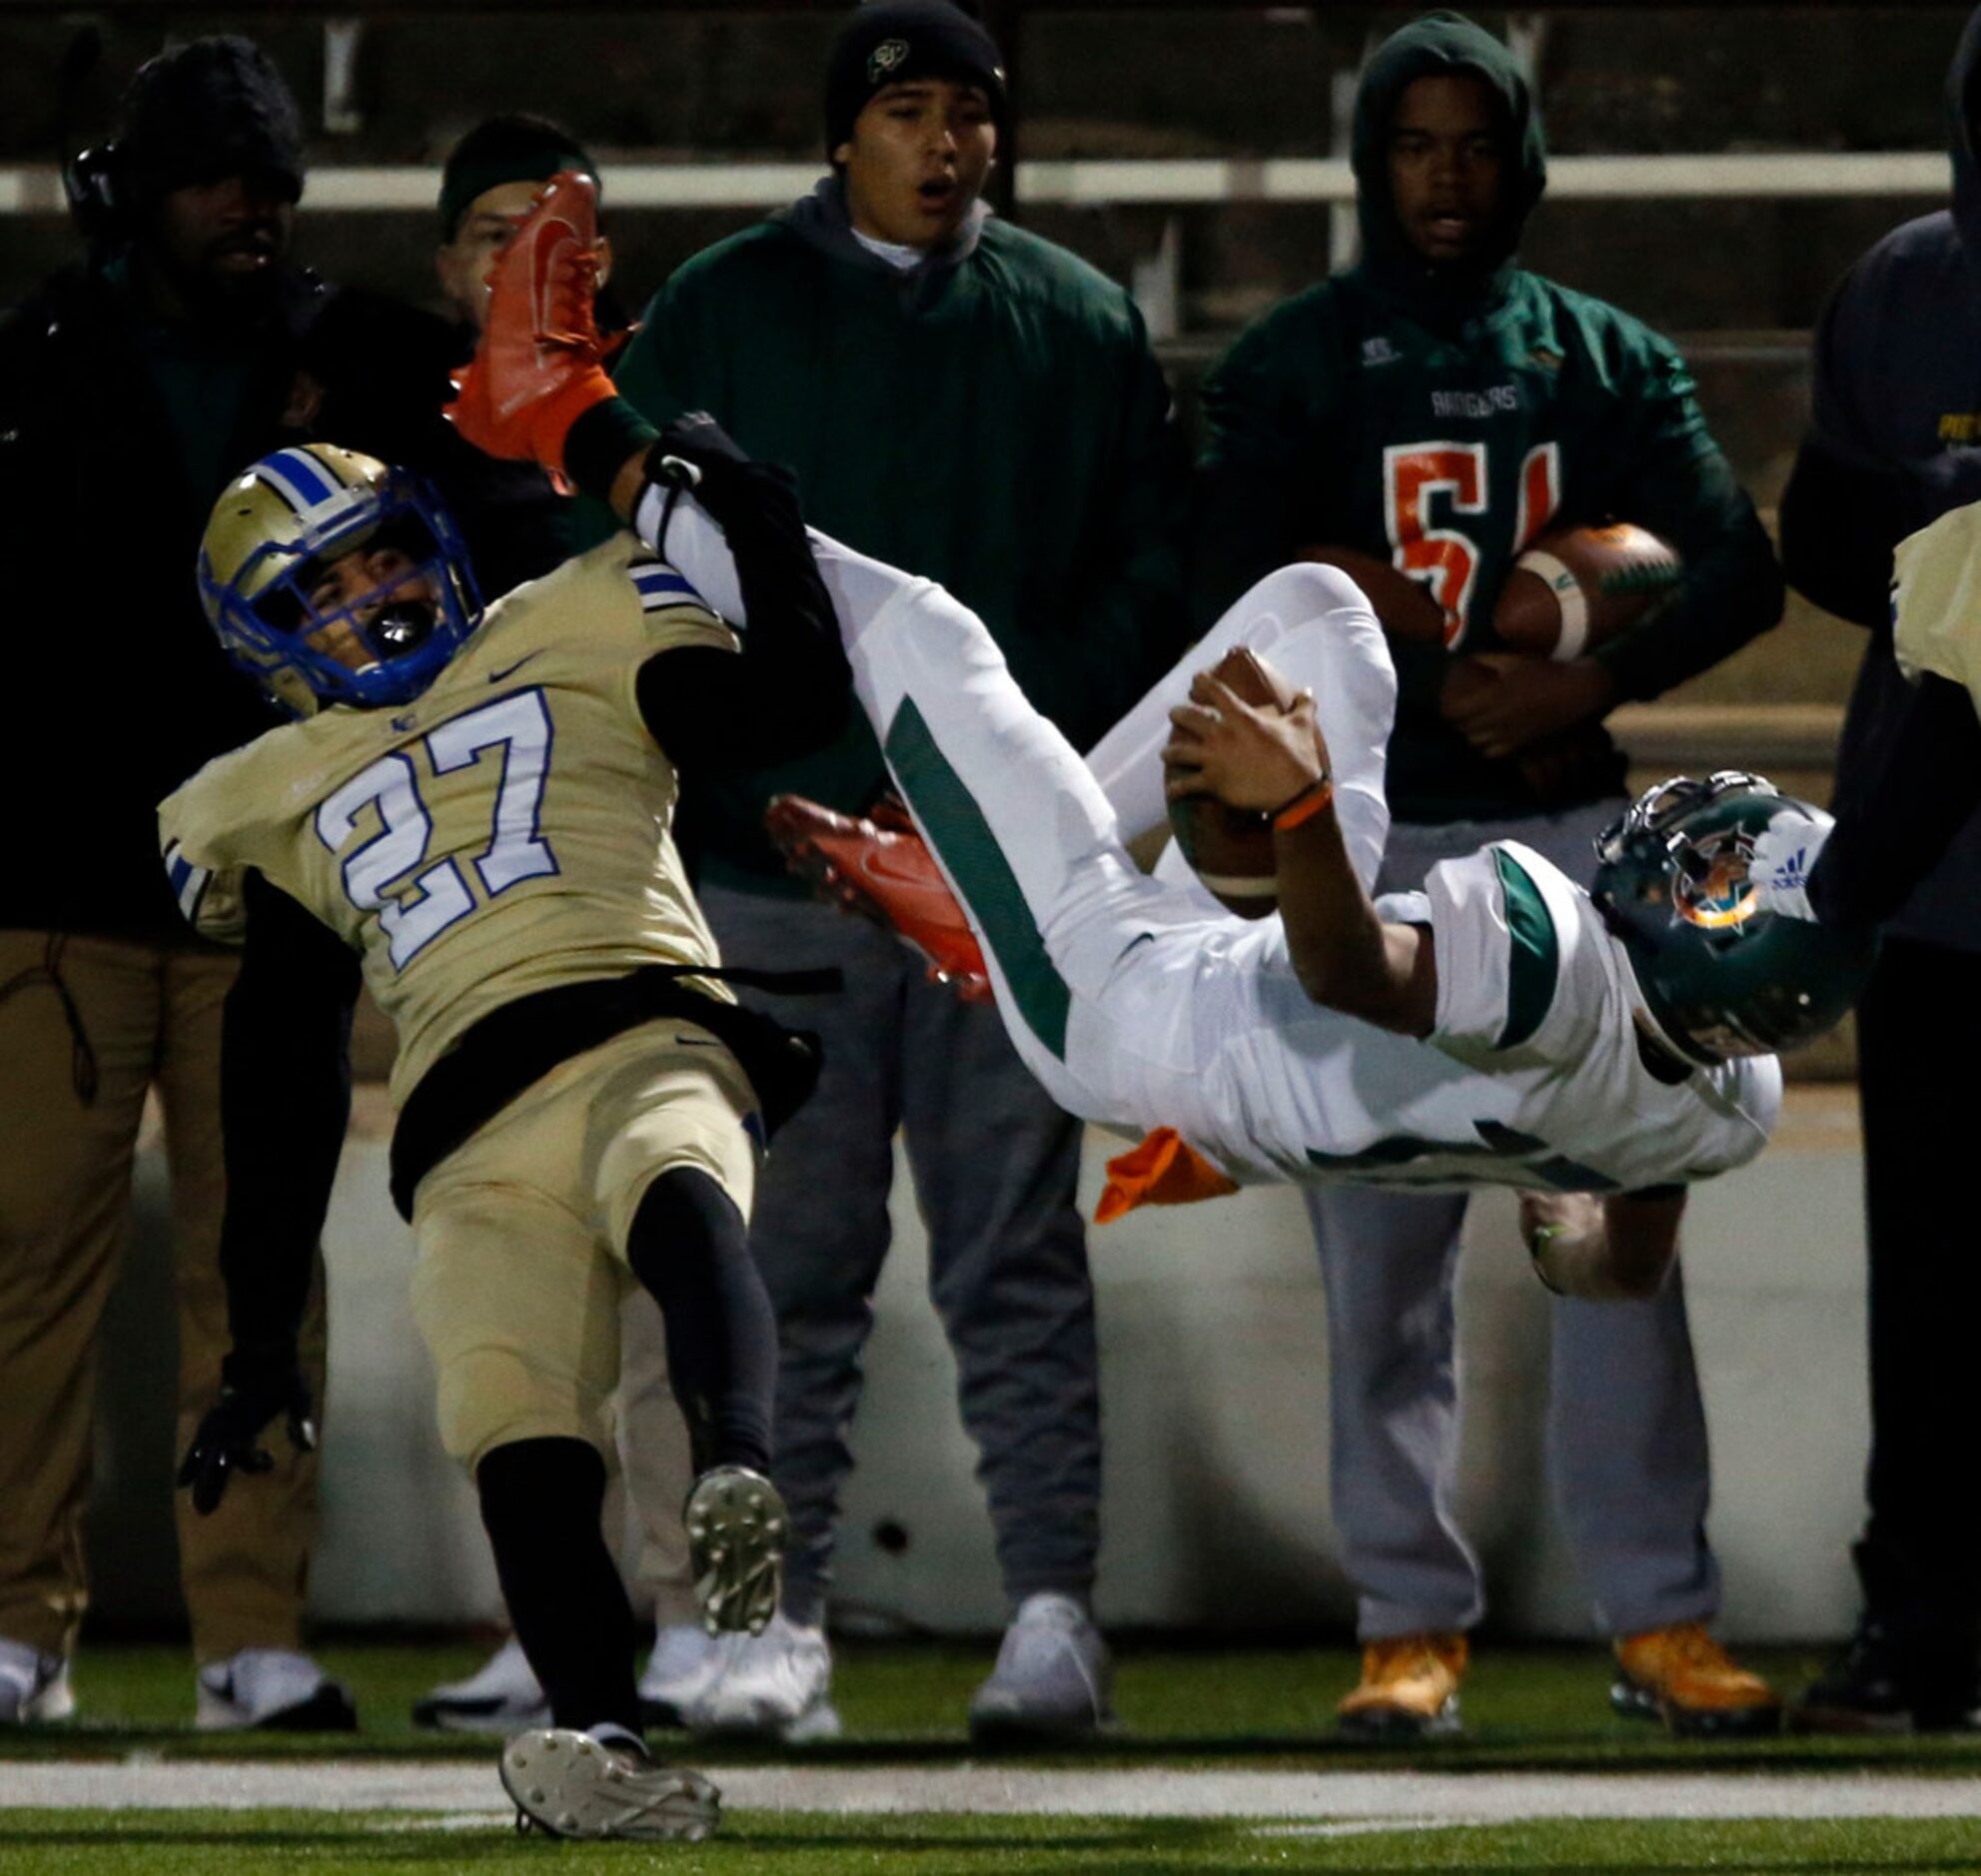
[[887, 876], [1164, 1168], [1682, 1676], [538, 367], [1409, 1691]]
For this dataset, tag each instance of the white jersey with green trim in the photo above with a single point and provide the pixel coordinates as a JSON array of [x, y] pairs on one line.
[[1531, 1076]]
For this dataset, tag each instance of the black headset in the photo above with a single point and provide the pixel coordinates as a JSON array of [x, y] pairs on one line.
[[92, 182]]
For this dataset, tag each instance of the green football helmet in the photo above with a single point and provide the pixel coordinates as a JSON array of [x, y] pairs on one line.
[[1703, 883]]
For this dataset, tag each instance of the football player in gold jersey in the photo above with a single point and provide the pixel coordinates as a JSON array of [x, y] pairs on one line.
[[477, 805]]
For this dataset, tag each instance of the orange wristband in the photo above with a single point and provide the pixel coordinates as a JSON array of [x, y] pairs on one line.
[[1304, 805]]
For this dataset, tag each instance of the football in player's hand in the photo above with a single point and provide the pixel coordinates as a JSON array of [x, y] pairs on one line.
[[1230, 849], [1575, 587], [1402, 606]]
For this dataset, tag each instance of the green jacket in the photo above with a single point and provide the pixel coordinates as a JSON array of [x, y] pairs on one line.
[[993, 419], [1393, 402]]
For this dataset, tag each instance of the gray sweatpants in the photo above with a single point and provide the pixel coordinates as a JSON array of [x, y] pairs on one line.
[[994, 1164], [1627, 1431]]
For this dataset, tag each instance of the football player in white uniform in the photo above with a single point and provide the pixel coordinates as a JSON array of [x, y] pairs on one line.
[[477, 805], [1500, 1028]]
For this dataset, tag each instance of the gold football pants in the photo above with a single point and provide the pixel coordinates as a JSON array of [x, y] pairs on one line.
[[520, 1232], [87, 1026]]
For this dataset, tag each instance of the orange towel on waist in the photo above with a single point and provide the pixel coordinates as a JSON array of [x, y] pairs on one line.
[[1164, 1170]]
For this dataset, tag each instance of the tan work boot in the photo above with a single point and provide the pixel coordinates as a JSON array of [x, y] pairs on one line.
[[1409, 1691], [1682, 1676]]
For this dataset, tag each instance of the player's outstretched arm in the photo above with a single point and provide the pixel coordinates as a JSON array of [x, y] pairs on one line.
[[791, 690], [285, 1099], [1257, 756], [1615, 1249], [537, 391]]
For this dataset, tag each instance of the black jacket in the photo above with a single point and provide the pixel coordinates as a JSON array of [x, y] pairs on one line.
[[1896, 443], [118, 689]]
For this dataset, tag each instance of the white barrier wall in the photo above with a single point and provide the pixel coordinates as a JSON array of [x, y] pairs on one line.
[[1214, 1398]]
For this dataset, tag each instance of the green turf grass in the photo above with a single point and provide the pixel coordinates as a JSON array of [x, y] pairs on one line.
[[1530, 1708], [217, 1843]]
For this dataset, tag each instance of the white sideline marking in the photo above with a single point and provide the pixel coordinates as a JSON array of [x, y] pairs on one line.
[[1404, 1799]]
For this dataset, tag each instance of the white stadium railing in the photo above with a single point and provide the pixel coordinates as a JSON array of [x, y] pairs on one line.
[[1171, 182]]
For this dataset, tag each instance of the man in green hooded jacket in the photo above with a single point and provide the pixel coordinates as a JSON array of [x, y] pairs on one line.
[[1438, 406], [961, 397]]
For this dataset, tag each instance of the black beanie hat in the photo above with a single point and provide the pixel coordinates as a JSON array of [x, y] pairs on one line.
[[889, 42], [513, 148], [205, 110]]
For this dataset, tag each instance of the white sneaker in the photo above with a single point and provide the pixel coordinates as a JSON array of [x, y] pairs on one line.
[[33, 1685], [1051, 1678], [500, 1697], [274, 1689], [776, 1685], [571, 1785], [736, 1527], [683, 1662]]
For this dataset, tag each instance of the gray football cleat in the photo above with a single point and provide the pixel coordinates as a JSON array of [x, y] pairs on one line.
[[33, 1686], [736, 1527], [571, 1785], [1052, 1679]]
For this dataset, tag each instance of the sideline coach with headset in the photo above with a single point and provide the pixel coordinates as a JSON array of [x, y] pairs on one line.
[[131, 385]]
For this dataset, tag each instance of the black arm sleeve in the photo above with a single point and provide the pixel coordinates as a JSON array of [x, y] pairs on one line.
[[1923, 781], [285, 1099], [790, 691]]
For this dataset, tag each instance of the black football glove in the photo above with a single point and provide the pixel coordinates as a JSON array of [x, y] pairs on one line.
[[738, 493], [757, 506], [256, 1383]]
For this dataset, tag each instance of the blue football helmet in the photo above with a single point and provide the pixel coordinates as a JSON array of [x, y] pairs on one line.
[[265, 565], [1701, 882]]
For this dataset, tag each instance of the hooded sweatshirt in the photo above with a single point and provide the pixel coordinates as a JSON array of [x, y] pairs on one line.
[[991, 417], [1470, 408], [1895, 443]]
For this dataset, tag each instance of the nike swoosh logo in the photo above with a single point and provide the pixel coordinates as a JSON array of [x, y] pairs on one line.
[[510, 670], [694, 1042]]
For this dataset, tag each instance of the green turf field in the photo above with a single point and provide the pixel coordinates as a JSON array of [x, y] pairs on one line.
[[219, 1844], [1539, 1723]]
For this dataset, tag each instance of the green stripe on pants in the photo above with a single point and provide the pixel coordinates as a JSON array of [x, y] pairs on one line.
[[977, 864]]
